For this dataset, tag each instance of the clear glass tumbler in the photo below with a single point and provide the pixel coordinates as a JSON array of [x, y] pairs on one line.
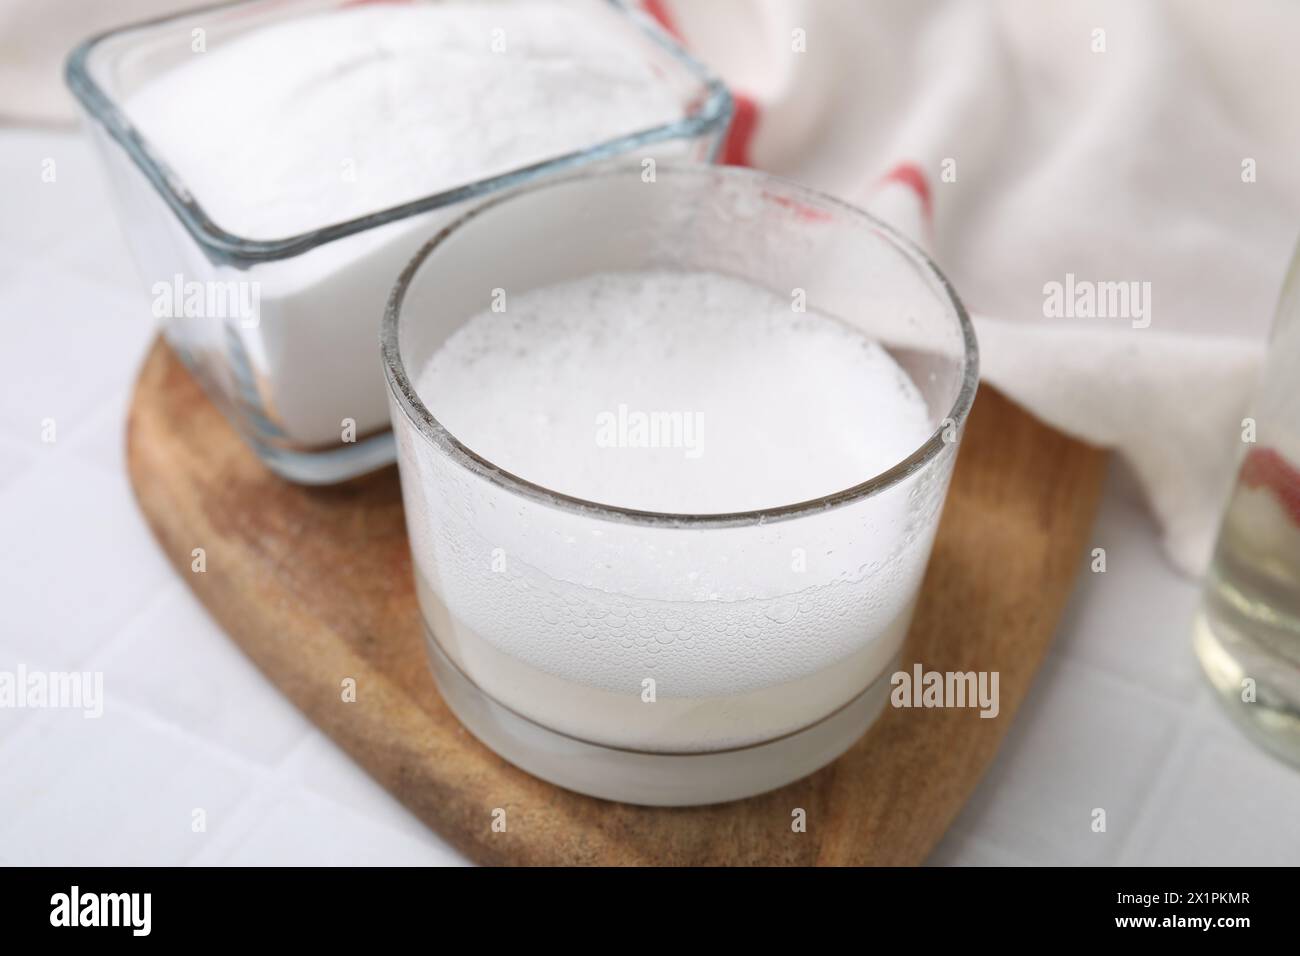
[[671, 659], [1247, 633]]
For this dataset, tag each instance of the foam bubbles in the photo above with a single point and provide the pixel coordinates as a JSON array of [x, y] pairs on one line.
[[788, 405]]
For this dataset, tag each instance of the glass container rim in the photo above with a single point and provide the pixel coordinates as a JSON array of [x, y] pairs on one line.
[[433, 431], [712, 116]]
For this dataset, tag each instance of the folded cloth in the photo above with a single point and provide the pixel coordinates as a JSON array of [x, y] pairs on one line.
[[1042, 153]]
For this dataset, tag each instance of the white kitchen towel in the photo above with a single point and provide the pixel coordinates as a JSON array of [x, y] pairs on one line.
[[35, 39], [1040, 152]]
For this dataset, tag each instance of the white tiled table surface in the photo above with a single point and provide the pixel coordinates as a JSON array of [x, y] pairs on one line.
[[1118, 718]]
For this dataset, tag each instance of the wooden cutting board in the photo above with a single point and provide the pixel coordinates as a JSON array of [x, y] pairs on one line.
[[315, 585]]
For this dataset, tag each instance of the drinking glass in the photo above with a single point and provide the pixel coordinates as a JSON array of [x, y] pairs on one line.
[[671, 658]]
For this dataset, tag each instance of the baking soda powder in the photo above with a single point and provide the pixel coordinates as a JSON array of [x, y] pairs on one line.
[[321, 119]]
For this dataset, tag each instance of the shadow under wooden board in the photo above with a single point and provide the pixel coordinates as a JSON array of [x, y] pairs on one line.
[[315, 585]]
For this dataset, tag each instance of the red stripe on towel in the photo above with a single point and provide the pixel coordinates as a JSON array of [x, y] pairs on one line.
[[1266, 468], [659, 10], [735, 151], [910, 175], [807, 213]]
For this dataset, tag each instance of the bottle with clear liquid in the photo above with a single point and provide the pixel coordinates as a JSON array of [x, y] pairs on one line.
[[1247, 632]]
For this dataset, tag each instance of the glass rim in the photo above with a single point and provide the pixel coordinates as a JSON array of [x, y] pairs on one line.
[[713, 115], [441, 437]]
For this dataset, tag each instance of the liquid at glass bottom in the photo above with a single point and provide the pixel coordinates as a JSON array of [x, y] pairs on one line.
[[633, 769], [652, 779], [1247, 632]]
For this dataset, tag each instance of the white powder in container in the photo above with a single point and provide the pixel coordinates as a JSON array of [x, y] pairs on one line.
[[323, 118]]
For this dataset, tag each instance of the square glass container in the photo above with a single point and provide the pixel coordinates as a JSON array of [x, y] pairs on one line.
[[548, 617], [306, 394]]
